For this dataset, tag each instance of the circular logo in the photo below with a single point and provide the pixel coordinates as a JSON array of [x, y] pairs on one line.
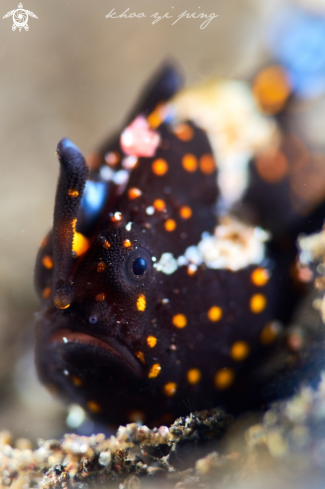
[[20, 18]]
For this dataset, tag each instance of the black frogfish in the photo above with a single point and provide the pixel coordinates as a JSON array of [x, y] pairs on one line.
[[165, 278]]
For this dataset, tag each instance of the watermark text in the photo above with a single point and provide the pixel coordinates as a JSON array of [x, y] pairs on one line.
[[157, 17]]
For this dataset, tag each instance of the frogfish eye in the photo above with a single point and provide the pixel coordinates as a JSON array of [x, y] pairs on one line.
[[138, 265]]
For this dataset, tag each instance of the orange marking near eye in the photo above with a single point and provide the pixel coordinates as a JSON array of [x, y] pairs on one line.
[[207, 164], [189, 162], [106, 245], [271, 88], [272, 166], [60, 304], [159, 167], [170, 389], [170, 225], [224, 378], [257, 303], [179, 320], [184, 132], [194, 376], [94, 407], [159, 205], [260, 277], [76, 380], [215, 313], [72, 192], [154, 371], [185, 212], [47, 262], [155, 118], [80, 244], [239, 350], [100, 297], [151, 341], [101, 266], [134, 193], [141, 303], [140, 356], [46, 293], [269, 333], [127, 243]]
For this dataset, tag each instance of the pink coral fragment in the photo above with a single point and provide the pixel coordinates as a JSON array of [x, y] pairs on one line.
[[138, 139]]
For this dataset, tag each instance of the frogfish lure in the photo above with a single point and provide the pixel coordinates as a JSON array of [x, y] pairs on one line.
[[162, 287]]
